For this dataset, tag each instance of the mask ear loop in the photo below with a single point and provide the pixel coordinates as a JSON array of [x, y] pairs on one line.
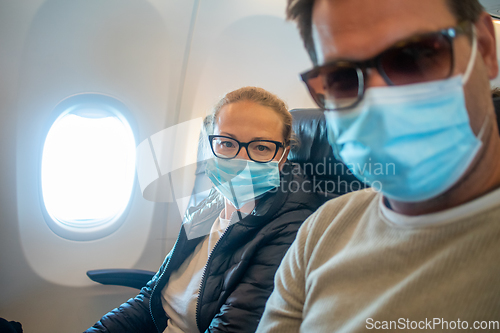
[[472, 60], [467, 74], [483, 128], [284, 151], [235, 201]]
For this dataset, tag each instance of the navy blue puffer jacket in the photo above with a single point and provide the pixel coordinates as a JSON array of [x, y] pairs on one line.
[[239, 276]]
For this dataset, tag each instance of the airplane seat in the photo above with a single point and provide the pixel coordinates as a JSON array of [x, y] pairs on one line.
[[329, 178], [10, 326], [126, 277]]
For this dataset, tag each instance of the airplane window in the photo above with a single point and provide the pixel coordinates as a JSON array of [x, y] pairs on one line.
[[88, 168]]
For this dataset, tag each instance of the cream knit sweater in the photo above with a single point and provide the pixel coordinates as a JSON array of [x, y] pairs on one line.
[[357, 266]]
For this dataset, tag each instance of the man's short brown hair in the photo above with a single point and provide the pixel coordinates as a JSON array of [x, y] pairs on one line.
[[300, 11]]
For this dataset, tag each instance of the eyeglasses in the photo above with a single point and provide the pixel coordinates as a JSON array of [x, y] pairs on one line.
[[261, 151], [341, 84]]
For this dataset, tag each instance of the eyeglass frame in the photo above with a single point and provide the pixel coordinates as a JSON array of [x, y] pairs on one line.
[[462, 28], [245, 145]]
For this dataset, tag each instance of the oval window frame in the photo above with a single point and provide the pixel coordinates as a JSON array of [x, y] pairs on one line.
[[68, 105]]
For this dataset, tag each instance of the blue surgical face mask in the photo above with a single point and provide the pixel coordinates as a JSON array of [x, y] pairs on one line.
[[242, 181], [411, 142]]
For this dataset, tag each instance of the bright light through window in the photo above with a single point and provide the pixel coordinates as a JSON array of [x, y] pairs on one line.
[[88, 167]]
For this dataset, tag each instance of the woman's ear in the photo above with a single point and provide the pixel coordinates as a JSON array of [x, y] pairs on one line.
[[486, 43]]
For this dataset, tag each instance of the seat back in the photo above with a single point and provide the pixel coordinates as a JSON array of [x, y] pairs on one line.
[[330, 177]]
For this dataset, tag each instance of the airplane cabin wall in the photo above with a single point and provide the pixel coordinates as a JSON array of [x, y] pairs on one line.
[[167, 62]]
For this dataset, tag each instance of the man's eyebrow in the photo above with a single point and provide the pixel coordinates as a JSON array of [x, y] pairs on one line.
[[416, 33]]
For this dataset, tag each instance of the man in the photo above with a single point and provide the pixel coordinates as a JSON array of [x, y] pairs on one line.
[[405, 89]]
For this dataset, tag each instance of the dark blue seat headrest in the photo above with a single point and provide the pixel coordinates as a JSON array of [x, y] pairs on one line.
[[315, 156], [309, 127]]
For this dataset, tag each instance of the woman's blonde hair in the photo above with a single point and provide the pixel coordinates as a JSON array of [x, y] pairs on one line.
[[261, 97]]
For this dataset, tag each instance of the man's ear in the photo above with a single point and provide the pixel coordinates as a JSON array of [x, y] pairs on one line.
[[486, 43]]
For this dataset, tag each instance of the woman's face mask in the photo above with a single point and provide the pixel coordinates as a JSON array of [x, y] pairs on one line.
[[242, 181]]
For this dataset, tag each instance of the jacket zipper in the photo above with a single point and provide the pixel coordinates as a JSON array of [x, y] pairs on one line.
[[203, 276]]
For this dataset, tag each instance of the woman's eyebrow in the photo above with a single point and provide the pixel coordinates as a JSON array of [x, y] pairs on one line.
[[253, 139], [227, 134], [262, 138]]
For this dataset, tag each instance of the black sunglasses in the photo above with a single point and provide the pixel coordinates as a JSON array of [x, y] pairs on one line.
[[341, 84], [260, 151]]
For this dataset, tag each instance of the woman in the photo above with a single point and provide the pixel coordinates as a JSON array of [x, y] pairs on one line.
[[220, 272]]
